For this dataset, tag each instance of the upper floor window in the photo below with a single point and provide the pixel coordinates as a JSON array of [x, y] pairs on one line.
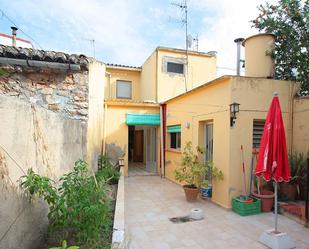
[[173, 67], [123, 89]]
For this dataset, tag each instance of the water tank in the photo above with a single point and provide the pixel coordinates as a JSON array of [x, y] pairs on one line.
[[258, 62]]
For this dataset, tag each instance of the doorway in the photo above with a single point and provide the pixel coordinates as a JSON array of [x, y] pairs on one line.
[[138, 149], [142, 150], [208, 131]]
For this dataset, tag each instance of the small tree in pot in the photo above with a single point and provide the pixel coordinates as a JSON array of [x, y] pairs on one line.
[[193, 171]]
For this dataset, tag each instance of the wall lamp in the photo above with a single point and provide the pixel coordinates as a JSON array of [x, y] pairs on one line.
[[234, 108]]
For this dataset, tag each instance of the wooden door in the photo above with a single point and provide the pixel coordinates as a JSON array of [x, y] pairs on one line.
[[138, 150]]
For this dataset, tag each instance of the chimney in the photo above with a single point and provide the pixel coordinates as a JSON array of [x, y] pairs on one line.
[[14, 29], [258, 60], [238, 41]]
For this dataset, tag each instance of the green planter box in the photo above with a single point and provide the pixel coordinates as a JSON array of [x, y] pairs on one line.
[[244, 208]]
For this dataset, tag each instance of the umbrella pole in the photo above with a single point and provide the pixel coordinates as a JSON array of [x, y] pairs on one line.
[[276, 207]]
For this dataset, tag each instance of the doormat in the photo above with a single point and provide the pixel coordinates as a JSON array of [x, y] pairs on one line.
[[181, 219]]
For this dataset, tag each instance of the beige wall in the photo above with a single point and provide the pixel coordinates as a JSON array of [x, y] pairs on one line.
[[41, 139], [126, 74], [201, 69], [198, 107], [211, 103], [301, 125], [95, 112], [148, 87], [116, 141], [254, 96]]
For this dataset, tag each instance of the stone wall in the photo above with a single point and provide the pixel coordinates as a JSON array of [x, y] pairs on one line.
[[49, 120], [58, 91]]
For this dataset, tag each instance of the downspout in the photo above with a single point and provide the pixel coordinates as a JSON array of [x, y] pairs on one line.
[[104, 129], [163, 137], [292, 95], [157, 72]]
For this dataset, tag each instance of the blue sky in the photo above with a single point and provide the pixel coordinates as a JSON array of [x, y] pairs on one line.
[[127, 31]]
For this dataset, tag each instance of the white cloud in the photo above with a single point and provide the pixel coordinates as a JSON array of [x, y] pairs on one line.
[[126, 31], [230, 21]]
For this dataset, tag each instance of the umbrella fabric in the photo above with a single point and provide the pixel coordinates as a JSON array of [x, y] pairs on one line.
[[272, 161]]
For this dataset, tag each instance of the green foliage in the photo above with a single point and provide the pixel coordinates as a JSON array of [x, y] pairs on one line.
[[107, 171], [65, 246], [3, 72], [288, 20], [193, 170], [298, 167], [78, 209]]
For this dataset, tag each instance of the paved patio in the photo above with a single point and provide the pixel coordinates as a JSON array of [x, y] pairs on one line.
[[150, 201]]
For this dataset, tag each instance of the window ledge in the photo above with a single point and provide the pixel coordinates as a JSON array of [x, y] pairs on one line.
[[173, 150]]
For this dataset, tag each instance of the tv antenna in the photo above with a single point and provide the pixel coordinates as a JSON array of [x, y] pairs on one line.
[[184, 20], [192, 40], [92, 41]]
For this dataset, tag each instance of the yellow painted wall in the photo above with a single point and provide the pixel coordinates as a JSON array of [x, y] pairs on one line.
[[301, 125], [148, 89], [201, 69], [117, 130], [114, 74], [254, 96], [211, 103]]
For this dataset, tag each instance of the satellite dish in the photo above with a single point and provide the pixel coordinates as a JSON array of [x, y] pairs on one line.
[[189, 40]]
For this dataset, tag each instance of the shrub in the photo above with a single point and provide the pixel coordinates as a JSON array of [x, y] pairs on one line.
[[193, 170], [79, 209], [107, 171]]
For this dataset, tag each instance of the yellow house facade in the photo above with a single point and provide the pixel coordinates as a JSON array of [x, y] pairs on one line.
[[174, 97], [204, 118], [134, 94]]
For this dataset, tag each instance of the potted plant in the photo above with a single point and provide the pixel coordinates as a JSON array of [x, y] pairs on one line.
[[264, 192], [298, 172], [212, 173], [192, 171]]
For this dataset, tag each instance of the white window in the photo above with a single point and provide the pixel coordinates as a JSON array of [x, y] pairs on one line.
[[123, 89], [173, 67]]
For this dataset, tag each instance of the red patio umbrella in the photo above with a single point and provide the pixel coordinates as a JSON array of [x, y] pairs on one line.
[[273, 161]]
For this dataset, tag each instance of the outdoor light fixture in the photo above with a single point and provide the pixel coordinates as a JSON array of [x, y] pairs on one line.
[[121, 161], [234, 108]]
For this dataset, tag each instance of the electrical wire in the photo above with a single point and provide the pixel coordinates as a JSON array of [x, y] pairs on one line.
[[11, 20]]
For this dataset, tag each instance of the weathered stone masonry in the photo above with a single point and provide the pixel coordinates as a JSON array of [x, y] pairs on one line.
[[65, 92]]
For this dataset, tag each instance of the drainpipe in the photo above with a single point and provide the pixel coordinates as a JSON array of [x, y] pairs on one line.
[[14, 29], [104, 129], [238, 41], [163, 137]]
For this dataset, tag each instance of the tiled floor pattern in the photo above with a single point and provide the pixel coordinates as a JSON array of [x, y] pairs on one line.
[[150, 201], [138, 169]]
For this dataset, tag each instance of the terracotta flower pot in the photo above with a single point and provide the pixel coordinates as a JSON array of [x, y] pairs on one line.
[[191, 193], [289, 190], [267, 199]]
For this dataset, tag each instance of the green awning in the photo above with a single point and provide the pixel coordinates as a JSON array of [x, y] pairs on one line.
[[142, 119], [174, 128]]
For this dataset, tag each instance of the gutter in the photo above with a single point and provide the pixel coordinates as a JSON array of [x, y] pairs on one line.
[[44, 64]]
